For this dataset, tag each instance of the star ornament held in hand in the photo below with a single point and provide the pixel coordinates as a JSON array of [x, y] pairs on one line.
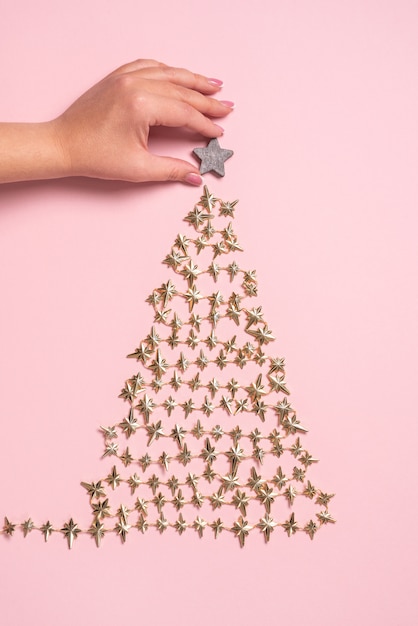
[[213, 157]]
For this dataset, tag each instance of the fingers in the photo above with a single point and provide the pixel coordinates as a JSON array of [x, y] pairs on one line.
[[160, 168], [174, 113], [177, 83], [183, 77], [205, 104], [149, 68]]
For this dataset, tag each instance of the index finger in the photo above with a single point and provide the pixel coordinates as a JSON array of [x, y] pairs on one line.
[[180, 76], [156, 70]]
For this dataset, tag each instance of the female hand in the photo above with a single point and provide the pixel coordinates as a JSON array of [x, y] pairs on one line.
[[104, 134]]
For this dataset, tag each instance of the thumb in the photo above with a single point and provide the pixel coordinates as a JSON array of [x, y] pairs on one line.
[[167, 168]]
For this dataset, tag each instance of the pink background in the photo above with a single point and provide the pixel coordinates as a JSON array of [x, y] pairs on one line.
[[325, 141]]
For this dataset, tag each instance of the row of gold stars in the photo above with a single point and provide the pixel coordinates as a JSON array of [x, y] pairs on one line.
[[241, 527], [146, 407], [254, 315], [261, 486], [216, 300], [229, 482], [209, 454], [240, 500], [178, 433]]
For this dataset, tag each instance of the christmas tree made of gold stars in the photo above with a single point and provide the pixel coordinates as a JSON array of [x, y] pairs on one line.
[[209, 440]]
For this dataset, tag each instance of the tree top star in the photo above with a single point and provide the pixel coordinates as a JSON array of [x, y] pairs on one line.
[[213, 157]]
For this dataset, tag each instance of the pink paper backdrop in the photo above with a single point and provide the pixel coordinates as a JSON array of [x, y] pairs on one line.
[[325, 141]]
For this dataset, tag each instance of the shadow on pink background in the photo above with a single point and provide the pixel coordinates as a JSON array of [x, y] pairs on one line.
[[325, 142]]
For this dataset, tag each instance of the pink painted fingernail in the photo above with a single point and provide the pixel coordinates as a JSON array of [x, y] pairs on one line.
[[215, 81], [219, 126], [194, 179], [228, 103]]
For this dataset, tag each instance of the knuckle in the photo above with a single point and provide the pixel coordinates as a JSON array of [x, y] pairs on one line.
[[171, 73], [123, 82], [129, 91], [140, 102], [148, 62]]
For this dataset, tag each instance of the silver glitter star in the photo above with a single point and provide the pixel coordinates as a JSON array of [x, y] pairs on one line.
[[213, 157]]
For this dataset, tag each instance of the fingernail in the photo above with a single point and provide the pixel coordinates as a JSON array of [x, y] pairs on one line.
[[194, 179], [228, 103], [219, 126], [215, 81]]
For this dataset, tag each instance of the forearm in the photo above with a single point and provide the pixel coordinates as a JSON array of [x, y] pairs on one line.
[[30, 152]]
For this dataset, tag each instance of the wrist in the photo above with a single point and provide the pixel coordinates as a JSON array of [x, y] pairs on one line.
[[31, 152]]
